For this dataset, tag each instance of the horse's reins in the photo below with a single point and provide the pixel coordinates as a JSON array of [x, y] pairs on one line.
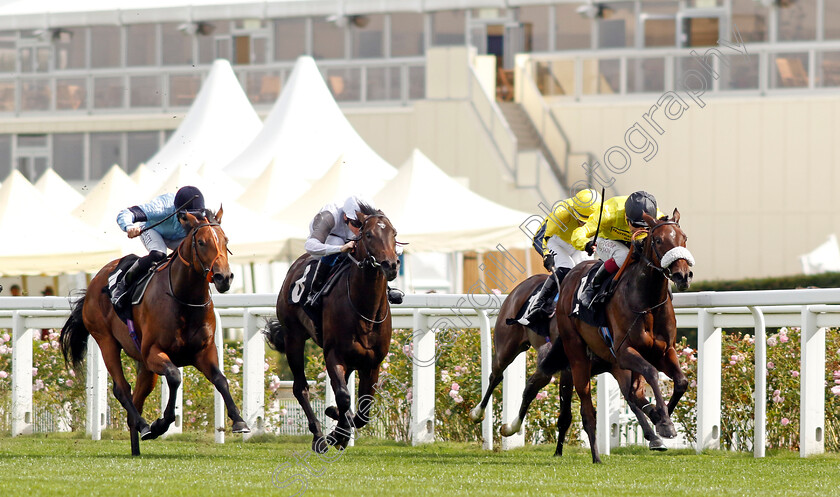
[[208, 275], [371, 261]]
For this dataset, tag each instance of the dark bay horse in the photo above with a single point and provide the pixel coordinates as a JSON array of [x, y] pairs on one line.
[[510, 340], [355, 331], [640, 316], [175, 326]]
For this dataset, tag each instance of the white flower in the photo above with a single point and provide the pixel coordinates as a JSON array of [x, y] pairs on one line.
[[234, 369]]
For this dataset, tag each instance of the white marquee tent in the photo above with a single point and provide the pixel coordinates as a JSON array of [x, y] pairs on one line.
[[436, 213], [220, 123], [58, 192], [303, 134], [346, 176], [39, 240]]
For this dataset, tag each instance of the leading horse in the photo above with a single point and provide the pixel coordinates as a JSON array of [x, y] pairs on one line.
[[510, 340], [174, 326], [355, 333], [640, 316]]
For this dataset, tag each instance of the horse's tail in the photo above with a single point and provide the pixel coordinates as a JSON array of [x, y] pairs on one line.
[[275, 335], [74, 335]]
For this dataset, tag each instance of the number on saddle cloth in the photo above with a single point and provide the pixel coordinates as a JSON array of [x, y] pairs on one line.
[[135, 290], [303, 286]]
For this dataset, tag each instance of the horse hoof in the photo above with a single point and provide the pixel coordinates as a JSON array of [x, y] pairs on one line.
[[240, 427], [146, 433], [338, 441], [658, 445], [477, 414], [506, 430], [332, 412], [320, 445], [666, 430]]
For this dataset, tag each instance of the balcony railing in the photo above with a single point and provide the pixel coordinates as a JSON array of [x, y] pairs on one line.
[[162, 89], [752, 69]]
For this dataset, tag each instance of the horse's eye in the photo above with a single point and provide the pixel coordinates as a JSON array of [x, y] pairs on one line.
[[368, 234], [658, 241], [201, 243]]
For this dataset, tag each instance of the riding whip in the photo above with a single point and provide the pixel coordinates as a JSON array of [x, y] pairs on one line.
[[598, 230]]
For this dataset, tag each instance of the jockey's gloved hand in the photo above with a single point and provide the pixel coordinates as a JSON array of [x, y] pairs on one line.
[[548, 260], [590, 247]]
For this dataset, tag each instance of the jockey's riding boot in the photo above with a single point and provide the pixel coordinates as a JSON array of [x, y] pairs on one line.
[[541, 304], [321, 272], [140, 267], [395, 296], [590, 291]]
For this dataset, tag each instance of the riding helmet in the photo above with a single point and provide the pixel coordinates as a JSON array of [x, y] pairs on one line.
[[190, 198], [585, 202], [354, 204], [638, 203]]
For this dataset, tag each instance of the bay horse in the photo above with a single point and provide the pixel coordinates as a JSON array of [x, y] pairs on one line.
[[640, 316], [174, 323], [510, 340], [355, 333]]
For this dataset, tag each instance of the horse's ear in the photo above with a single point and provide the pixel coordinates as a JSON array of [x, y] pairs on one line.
[[648, 219], [187, 220], [219, 214], [676, 216], [360, 217]]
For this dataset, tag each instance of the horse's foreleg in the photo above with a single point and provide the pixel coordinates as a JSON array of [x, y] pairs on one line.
[[535, 383], [629, 358], [294, 356], [146, 381], [367, 380], [339, 373], [633, 389], [158, 363], [581, 374], [208, 363], [564, 419], [670, 365], [122, 391]]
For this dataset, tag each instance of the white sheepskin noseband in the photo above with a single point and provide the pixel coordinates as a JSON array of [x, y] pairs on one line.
[[676, 254]]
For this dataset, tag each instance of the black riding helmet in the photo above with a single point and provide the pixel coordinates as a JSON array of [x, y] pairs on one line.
[[191, 199], [638, 203]]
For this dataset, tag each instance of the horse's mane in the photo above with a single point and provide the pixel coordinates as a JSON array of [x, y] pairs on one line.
[[369, 210]]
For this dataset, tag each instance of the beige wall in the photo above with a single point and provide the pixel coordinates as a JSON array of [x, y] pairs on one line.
[[755, 179]]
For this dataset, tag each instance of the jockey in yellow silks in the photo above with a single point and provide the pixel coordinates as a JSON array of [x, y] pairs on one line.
[[554, 243], [620, 218]]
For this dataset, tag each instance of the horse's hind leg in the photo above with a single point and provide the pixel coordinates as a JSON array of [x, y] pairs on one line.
[[540, 378], [146, 381], [207, 362], [564, 419], [506, 352], [630, 359], [294, 356], [122, 391], [367, 380]]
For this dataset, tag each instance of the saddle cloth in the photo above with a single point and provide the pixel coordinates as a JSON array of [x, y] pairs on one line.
[[135, 290], [539, 324], [302, 288]]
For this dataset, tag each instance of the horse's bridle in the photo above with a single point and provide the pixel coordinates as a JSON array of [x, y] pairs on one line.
[[666, 272], [369, 261], [208, 275]]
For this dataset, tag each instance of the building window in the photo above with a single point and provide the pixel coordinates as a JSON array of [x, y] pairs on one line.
[[289, 38], [407, 34], [182, 89], [789, 70], [70, 48], [646, 75], [5, 156], [7, 96], [750, 17], [35, 94], [70, 94], [108, 93], [142, 44], [534, 19], [573, 31], [106, 46], [831, 20], [141, 147], [68, 155], [383, 83], [177, 44], [105, 151], [145, 91], [345, 84], [617, 27], [417, 82], [7, 51], [798, 20], [327, 40], [215, 46], [367, 33], [738, 72], [448, 27], [659, 23], [262, 87]]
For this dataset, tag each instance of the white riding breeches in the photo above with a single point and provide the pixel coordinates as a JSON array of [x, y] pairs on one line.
[[612, 249], [154, 241], [565, 255]]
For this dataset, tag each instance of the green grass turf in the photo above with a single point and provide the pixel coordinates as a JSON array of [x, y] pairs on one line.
[[192, 465]]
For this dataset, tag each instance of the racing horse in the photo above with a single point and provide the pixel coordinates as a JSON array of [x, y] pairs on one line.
[[355, 331], [174, 326], [510, 340], [640, 316]]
